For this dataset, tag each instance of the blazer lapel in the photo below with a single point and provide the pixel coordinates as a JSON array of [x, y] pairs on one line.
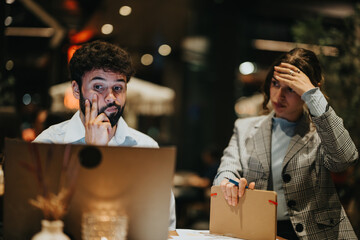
[[262, 143], [303, 131]]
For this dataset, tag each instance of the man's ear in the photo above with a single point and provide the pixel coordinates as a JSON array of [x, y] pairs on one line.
[[75, 89]]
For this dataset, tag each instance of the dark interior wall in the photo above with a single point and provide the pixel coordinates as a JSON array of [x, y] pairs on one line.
[[2, 27], [208, 88]]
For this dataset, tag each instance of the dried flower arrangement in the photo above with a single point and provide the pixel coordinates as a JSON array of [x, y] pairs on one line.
[[53, 206]]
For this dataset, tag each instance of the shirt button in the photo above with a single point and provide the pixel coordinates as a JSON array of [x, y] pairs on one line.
[[299, 227], [291, 203], [286, 178]]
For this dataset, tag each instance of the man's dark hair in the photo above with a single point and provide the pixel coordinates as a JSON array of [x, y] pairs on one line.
[[99, 55]]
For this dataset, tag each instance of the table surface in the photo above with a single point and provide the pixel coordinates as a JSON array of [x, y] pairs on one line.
[[174, 233]]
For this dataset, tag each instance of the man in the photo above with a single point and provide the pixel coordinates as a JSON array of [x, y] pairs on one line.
[[100, 72]]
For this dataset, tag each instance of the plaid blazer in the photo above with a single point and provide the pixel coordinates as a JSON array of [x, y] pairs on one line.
[[316, 149]]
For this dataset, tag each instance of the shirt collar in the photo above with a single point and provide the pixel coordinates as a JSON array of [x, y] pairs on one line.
[[122, 131], [75, 130]]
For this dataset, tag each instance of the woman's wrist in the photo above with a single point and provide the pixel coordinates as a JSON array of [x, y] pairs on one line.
[[315, 101]]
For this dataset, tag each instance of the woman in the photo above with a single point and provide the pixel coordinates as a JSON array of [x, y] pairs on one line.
[[292, 151]]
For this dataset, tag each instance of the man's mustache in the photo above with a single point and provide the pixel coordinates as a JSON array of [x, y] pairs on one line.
[[113, 104]]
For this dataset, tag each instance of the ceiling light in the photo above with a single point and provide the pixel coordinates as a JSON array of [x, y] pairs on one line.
[[29, 32], [282, 46]]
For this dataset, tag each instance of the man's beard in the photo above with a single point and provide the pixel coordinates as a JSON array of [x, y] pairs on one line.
[[113, 118]]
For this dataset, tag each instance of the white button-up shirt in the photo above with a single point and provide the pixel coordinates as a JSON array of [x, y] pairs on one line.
[[73, 131]]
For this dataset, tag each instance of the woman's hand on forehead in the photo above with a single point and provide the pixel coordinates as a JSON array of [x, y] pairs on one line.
[[293, 77]]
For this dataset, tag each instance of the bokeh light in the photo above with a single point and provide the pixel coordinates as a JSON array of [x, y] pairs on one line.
[[164, 50], [26, 99], [9, 65], [125, 11], [247, 68], [107, 29], [147, 59]]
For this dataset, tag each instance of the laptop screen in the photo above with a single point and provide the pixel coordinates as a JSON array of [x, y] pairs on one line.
[[130, 180]]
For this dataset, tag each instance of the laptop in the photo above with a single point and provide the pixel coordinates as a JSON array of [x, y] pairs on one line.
[[131, 180]]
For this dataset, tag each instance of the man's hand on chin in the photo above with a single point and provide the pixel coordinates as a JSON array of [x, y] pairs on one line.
[[97, 127]]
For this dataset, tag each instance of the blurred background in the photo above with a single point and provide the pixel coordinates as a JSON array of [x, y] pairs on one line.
[[199, 66]]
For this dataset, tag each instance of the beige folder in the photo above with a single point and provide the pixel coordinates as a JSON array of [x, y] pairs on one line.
[[254, 217]]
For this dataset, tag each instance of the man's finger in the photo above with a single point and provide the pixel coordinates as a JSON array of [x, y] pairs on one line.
[[252, 185], [87, 112], [109, 128], [94, 111], [101, 118]]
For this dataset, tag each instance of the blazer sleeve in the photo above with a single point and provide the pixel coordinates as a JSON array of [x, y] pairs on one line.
[[336, 144], [230, 162]]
